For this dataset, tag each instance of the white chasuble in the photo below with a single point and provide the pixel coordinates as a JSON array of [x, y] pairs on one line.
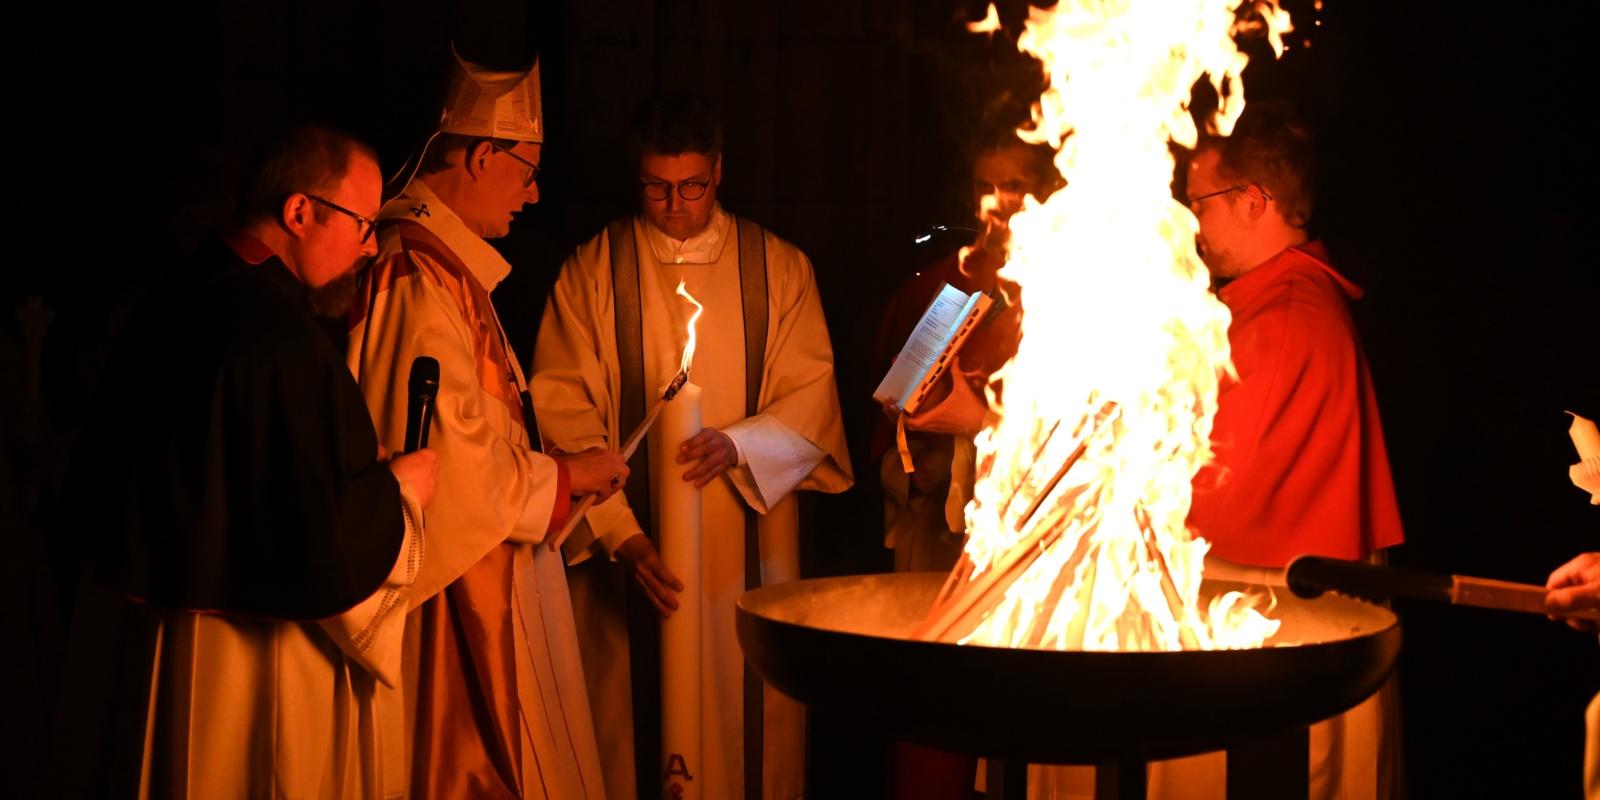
[[794, 441]]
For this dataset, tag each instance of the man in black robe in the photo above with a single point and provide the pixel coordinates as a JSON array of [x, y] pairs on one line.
[[234, 491]]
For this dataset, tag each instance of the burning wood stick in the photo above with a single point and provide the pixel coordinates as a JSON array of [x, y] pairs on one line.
[[1169, 588], [628, 448], [977, 595], [1041, 622], [1027, 472], [972, 599], [1073, 639], [1077, 453], [961, 574], [963, 569], [973, 594]]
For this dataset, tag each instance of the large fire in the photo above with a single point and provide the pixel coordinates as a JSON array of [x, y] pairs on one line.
[[1076, 530]]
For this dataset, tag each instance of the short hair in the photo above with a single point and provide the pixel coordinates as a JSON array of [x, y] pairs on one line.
[[309, 158], [674, 124], [445, 145], [1272, 147]]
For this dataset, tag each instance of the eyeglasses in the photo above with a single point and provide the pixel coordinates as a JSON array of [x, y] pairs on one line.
[[364, 225], [530, 174], [1194, 201], [661, 190]]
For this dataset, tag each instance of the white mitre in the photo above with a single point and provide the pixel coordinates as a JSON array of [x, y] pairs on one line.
[[494, 104]]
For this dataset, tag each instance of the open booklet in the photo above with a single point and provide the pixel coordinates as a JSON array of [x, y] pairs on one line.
[[944, 327]]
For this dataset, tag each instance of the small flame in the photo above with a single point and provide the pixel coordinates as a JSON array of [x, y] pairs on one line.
[[989, 24], [989, 211], [688, 349]]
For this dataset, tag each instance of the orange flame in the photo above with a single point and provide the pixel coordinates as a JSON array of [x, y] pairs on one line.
[[1122, 346], [688, 348]]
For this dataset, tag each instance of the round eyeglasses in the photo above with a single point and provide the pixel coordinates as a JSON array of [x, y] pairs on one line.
[[661, 190]]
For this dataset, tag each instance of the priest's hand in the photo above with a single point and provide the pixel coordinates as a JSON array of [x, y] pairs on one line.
[[715, 452], [419, 470], [646, 567], [1575, 586], [595, 471]]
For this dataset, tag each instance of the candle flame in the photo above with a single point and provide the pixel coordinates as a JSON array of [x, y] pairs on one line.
[[688, 349]]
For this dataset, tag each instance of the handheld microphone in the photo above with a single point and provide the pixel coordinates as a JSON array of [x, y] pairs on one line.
[[423, 389]]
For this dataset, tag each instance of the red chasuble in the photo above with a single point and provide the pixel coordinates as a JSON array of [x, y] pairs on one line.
[[1300, 463]]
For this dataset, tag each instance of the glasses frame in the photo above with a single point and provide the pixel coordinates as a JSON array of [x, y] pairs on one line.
[[1194, 201], [665, 189], [531, 175], [364, 225]]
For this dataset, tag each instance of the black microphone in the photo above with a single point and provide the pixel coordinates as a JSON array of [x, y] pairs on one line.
[[424, 387]]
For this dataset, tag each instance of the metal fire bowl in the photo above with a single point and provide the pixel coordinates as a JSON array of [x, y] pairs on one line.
[[839, 644]]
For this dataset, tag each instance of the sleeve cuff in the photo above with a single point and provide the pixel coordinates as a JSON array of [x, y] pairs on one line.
[[563, 503], [774, 460], [547, 502], [370, 633]]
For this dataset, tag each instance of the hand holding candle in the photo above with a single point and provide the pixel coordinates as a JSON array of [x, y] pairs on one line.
[[713, 449], [595, 472], [671, 390], [644, 563], [617, 476]]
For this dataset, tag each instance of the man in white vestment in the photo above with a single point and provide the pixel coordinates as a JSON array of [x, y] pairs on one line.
[[494, 690], [257, 549], [611, 338]]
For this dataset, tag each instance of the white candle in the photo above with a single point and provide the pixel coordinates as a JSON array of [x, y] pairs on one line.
[[680, 633]]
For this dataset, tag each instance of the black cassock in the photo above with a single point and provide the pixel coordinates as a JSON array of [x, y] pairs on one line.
[[233, 465]]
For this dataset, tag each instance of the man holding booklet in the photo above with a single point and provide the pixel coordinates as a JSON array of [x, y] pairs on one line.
[[956, 318]]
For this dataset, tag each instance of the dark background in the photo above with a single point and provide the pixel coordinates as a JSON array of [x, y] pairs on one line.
[[1456, 191]]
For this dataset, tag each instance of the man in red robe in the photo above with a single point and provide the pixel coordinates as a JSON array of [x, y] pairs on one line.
[[1300, 462]]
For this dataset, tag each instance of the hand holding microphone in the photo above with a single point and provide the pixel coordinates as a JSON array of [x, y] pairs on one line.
[[423, 390], [419, 466], [420, 470]]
